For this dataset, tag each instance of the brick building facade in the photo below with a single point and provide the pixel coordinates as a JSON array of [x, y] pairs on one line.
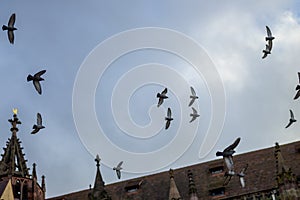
[[272, 173]]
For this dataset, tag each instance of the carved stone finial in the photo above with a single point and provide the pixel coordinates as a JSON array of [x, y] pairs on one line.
[[97, 159], [171, 172], [15, 111], [14, 122]]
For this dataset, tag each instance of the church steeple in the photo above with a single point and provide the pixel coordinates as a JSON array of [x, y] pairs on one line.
[[192, 187], [286, 179], [13, 162], [98, 192], [173, 192]]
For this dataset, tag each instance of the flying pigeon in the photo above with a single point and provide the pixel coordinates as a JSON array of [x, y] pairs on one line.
[[38, 125], [298, 88], [118, 169], [292, 119], [36, 80], [241, 175], [194, 115], [168, 118], [227, 156], [266, 51], [193, 96], [162, 96], [10, 28]]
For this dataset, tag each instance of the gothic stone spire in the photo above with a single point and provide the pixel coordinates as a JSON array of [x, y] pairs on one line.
[[98, 192], [286, 180], [13, 162], [173, 192], [192, 187]]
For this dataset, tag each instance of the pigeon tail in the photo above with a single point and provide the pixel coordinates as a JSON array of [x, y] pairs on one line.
[[29, 78], [219, 153], [4, 27]]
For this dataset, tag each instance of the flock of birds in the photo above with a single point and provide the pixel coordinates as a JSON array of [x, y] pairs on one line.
[[227, 153], [163, 95], [36, 78]]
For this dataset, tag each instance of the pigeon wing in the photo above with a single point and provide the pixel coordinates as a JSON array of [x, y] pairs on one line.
[[269, 33], [119, 165], [289, 124], [242, 181], [297, 95], [169, 114], [292, 114], [232, 146], [265, 55], [193, 91], [270, 45], [34, 131], [228, 163], [244, 169], [118, 174], [39, 119], [164, 91], [37, 86], [167, 124], [160, 101], [194, 117], [192, 101], [40, 73], [11, 36], [299, 76], [12, 20], [194, 111]]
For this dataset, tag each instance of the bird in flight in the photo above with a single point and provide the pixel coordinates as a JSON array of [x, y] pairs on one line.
[[241, 175], [161, 96], [168, 118], [297, 88], [38, 126], [194, 115], [10, 28], [266, 51], [36, 80], [118, 169], [193, 96], [292, 119], [228, 156]]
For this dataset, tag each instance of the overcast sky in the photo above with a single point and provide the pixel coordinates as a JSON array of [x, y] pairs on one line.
[[59, 36]]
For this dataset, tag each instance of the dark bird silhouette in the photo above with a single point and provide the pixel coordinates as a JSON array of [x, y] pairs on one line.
[[161, 96], [227, 156], [118, 169], [297, 88], [36, 80], [241, 175], [168, 118], [292, 119], [266, 51], [38, 126], [194, 115], [10, 28], [193, 96]]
